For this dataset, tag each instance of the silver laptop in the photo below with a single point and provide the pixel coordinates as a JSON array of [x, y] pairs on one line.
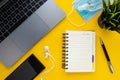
[[22, 24]]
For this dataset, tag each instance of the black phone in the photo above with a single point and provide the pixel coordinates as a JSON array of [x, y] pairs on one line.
[[28, 70]]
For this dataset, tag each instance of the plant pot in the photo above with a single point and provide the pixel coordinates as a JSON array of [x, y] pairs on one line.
[[101, 24], [110, 17]]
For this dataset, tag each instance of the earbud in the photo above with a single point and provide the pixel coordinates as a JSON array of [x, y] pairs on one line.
[[51, 58], [46, 49]]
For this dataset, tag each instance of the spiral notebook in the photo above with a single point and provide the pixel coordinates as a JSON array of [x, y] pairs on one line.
[[79, 51]]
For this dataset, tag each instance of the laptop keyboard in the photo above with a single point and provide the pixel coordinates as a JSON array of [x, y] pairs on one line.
[[14, 12]]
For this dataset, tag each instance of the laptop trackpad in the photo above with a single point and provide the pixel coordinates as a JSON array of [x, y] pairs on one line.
[[29, 32], [9, 52]]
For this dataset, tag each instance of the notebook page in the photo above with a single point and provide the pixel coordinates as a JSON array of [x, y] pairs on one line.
[[80, 51]]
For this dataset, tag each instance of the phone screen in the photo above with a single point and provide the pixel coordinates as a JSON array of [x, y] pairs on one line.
[[28, 70]]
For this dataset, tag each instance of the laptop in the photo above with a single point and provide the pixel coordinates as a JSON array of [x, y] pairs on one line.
[[22, 24]]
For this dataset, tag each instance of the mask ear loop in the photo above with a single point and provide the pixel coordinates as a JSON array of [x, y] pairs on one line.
[[77, 25]]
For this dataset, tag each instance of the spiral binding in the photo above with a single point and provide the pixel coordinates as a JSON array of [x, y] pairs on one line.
[[65, 51]]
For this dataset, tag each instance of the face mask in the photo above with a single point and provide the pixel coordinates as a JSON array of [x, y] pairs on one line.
[[87, 8]]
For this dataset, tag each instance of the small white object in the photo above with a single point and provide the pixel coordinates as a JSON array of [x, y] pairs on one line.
[[46, 48], [48, 55]]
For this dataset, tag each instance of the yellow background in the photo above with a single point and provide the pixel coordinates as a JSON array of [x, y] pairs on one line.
[[54, 40]]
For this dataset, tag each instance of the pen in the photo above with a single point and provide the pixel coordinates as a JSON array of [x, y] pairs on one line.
[[106, 55]]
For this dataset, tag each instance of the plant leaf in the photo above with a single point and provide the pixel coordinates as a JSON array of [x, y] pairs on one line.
[[109, 3], [118, 30], [118, 26], [108, 28], [104, 12], [112, 15], [104, 27], [115, 20], [115, 8], [117, 13], [115, 2], [112, 7], [113, 24], [104, 4], [118, 18], [118, 8]]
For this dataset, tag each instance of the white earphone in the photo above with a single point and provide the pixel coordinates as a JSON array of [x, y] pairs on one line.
[[51, 58], [46, 49]]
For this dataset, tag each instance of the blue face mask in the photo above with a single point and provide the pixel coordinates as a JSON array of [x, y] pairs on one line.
[[87, 8]]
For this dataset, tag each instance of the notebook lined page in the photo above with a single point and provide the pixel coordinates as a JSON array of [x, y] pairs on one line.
[[80, 51]]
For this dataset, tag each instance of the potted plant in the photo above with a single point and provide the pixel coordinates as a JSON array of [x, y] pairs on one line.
[[110, 17]]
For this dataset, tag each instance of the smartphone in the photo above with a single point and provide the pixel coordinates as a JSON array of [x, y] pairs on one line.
[[28, 70]]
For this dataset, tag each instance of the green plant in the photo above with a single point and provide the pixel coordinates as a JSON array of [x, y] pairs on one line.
[[110, 17]]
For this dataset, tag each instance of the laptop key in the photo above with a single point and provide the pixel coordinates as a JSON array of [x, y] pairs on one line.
[[16, 5], [40, 3], [29, 13], [10, 3], [24, 4], [27, 1], [1, 38], [33, 3], [29, 7], [22, 13], [10, 23], [1, 25], [33, 9], [18, 17], [44, 0], [5, 21], [36, 0], [20, 8], [3, 30], [7, 27], [1, 19], [14, 20], [37, 5], [5, 15], [0, 32], [25, 10], [12, 9], [1, 13], [17, 11], [9, 18], [20, 2], [13, 14], [6, 34], [8, 12]]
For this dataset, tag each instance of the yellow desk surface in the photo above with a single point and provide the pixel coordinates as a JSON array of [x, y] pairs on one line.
[[54, 40]]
